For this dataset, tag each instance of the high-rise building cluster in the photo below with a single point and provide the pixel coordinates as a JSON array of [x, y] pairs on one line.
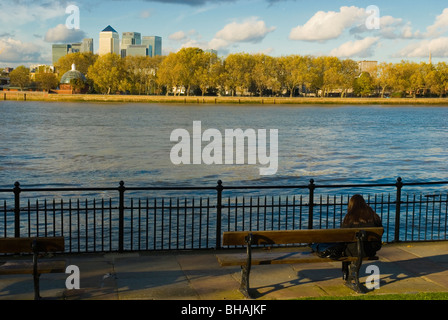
[[132, 44], [60, 50]]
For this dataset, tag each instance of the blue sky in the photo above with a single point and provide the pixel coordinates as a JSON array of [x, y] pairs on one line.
[[407, 29]]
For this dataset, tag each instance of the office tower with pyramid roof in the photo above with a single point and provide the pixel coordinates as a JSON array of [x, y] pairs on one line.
[[109, 41]]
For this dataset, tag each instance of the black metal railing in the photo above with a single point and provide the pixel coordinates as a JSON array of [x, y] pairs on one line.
[[178, 218]]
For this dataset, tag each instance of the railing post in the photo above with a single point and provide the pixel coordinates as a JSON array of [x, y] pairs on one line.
[[311, 187], [399, 185], [121, 190], [17, 191], [219, 189]]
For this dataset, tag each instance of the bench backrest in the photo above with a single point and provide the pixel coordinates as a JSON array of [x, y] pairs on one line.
[[300, 236], [25, 245]]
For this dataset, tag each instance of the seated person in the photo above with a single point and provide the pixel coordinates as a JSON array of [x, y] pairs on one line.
[[360, 215]]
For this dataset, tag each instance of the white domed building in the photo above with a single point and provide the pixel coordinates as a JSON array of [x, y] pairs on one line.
[[66, 84]]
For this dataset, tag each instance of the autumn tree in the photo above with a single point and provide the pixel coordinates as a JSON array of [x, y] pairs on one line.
[[265, 73], [217, 74], [238, 72], [364, 85], [403, 72], [333, 77], [386, 73], [442, 69], [139, 73], [349, 72], [154, 64], [46, 80], [417, 77], [188, 61], [20, 77], [167, 75], [317, 70], [207, 72], [108, 73], [294, 71]]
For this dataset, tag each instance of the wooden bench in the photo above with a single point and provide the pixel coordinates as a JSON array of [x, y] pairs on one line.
[[296, 237], [35, 267]]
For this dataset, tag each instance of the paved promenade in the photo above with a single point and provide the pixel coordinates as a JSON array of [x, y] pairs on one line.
[[404, 268]]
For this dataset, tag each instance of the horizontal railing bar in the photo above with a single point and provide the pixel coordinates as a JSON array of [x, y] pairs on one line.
[[36, 189], [423, 183], [180, 188]]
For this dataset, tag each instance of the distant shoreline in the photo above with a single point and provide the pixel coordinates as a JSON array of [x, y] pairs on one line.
[[40, 96]]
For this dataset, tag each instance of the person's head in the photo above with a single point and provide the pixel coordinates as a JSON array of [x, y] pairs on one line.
[[357, 203], [358, 212]]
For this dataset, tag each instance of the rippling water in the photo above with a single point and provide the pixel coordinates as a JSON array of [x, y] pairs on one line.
[[85, 144]]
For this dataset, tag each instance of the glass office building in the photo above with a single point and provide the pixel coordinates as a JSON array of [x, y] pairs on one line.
[[154, 45]]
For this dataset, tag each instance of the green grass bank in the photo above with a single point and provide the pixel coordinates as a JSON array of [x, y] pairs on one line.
[[408, 296]]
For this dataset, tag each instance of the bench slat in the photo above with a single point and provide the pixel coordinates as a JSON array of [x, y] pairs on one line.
[[24, 245], [299, 236], [266, 258], [26, 267]]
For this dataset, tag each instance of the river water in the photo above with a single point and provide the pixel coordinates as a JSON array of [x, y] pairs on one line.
[[78, 145], [99, 144]]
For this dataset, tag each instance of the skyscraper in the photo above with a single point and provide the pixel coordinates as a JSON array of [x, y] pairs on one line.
[[75, 47], [109, 41], [87, 45], [129, 39], [137, 50], [154, 45], [58, 51]]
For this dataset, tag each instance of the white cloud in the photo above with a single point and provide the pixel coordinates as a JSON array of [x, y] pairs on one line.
[[396, 28], [328, 25], [188, 39], [195, 43], [434, 43], [440, 25], [16, 51], [178, 36], [360, 48], [61, 33], [437, 47], [218, 44], [22, 12], [250, 30], [331, 25]]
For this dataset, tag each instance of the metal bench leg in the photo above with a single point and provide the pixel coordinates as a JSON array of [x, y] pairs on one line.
[[345, 265], [352, 280], [245, 269], [36, 274], [36, 287]]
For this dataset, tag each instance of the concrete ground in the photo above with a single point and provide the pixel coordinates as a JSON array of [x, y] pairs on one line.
[[197, 276]]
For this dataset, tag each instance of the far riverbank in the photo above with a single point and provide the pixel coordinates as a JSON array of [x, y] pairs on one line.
[[41, 96]]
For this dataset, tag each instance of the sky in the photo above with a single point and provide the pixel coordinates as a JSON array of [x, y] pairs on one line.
[[385, 31]]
